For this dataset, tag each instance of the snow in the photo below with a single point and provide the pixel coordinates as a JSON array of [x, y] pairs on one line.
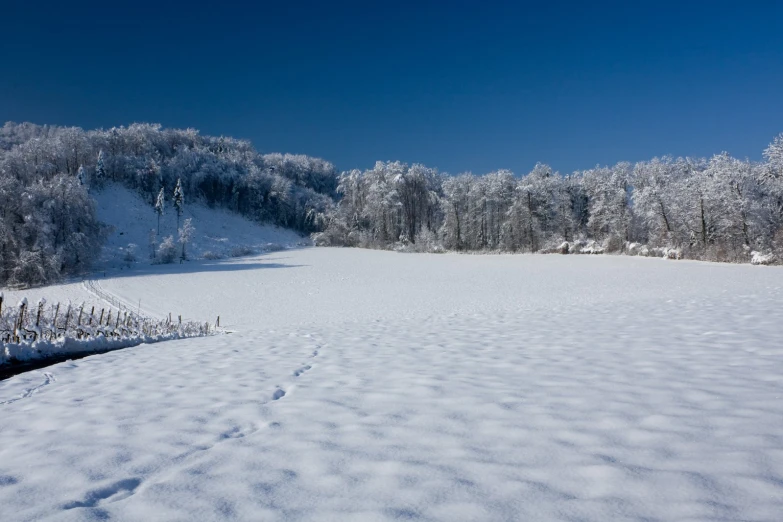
[[69, 346], [218, 232], [368, 385], [757, 258]]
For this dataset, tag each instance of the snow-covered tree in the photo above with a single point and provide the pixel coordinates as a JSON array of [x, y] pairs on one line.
[[455, 206], [81, 175], [185, 235], [178, 200], [609, 203], [100, 169], [152, 242], [717, 208], [159, 206], [771, 193]]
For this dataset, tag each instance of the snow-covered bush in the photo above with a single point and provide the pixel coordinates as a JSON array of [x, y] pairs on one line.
[[672, 253], [634, 249], [585, 247], [321, 239], [757, 258], [556, 247], [241, 251], [167, 251], [212, 256], [427, 241], [593, 247], [129, 255]]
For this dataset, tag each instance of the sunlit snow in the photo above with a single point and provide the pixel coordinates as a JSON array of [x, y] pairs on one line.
[[368, 385]]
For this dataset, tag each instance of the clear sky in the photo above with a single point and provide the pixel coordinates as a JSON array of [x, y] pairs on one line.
[[462, 86]]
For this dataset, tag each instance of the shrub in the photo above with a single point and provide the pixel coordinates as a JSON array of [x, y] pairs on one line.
[[614, 244], [167, 251], [241, 251], [757, 258], [211, 255], [130, 253]]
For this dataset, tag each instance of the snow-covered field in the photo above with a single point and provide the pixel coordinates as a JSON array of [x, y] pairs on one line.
[[366, 385]]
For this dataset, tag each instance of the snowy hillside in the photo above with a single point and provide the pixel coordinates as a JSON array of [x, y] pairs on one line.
[[372, 386], [219, 233]]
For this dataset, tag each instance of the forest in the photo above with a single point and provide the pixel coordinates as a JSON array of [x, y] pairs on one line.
[[48, 226], [719, 209]]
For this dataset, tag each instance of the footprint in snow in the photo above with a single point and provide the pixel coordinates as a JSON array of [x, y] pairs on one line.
[[278, 394], [301, 370], [234, 433], [111, 493]]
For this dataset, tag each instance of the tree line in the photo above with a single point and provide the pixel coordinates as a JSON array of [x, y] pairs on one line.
[[721, 208]]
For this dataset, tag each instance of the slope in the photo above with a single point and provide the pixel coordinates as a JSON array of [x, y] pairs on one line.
[[219, 233]]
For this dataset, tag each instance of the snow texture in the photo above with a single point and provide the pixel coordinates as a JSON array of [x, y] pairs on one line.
[[368, 385]]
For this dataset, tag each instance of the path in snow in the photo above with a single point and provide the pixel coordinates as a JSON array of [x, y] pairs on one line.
[[365, 385]]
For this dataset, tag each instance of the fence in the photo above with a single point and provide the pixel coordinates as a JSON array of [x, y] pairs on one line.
[[25, 325]]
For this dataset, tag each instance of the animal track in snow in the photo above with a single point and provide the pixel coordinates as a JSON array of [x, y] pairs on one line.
[[106, 495], [234, 433], [49, 378], [301, 370], [279, 392]]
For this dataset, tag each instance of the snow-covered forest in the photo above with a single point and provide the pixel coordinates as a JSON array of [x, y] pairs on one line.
[[721, 209], [48, 225]]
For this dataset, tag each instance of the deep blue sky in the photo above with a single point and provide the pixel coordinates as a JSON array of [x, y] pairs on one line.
[[462, 86]]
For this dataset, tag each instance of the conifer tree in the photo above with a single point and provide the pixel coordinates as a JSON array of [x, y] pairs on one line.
[[100, 169], [179, 200], [159, 205]]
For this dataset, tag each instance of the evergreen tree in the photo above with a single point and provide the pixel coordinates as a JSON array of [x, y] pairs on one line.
[[179, 200], [100, 169], [159, 204]]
